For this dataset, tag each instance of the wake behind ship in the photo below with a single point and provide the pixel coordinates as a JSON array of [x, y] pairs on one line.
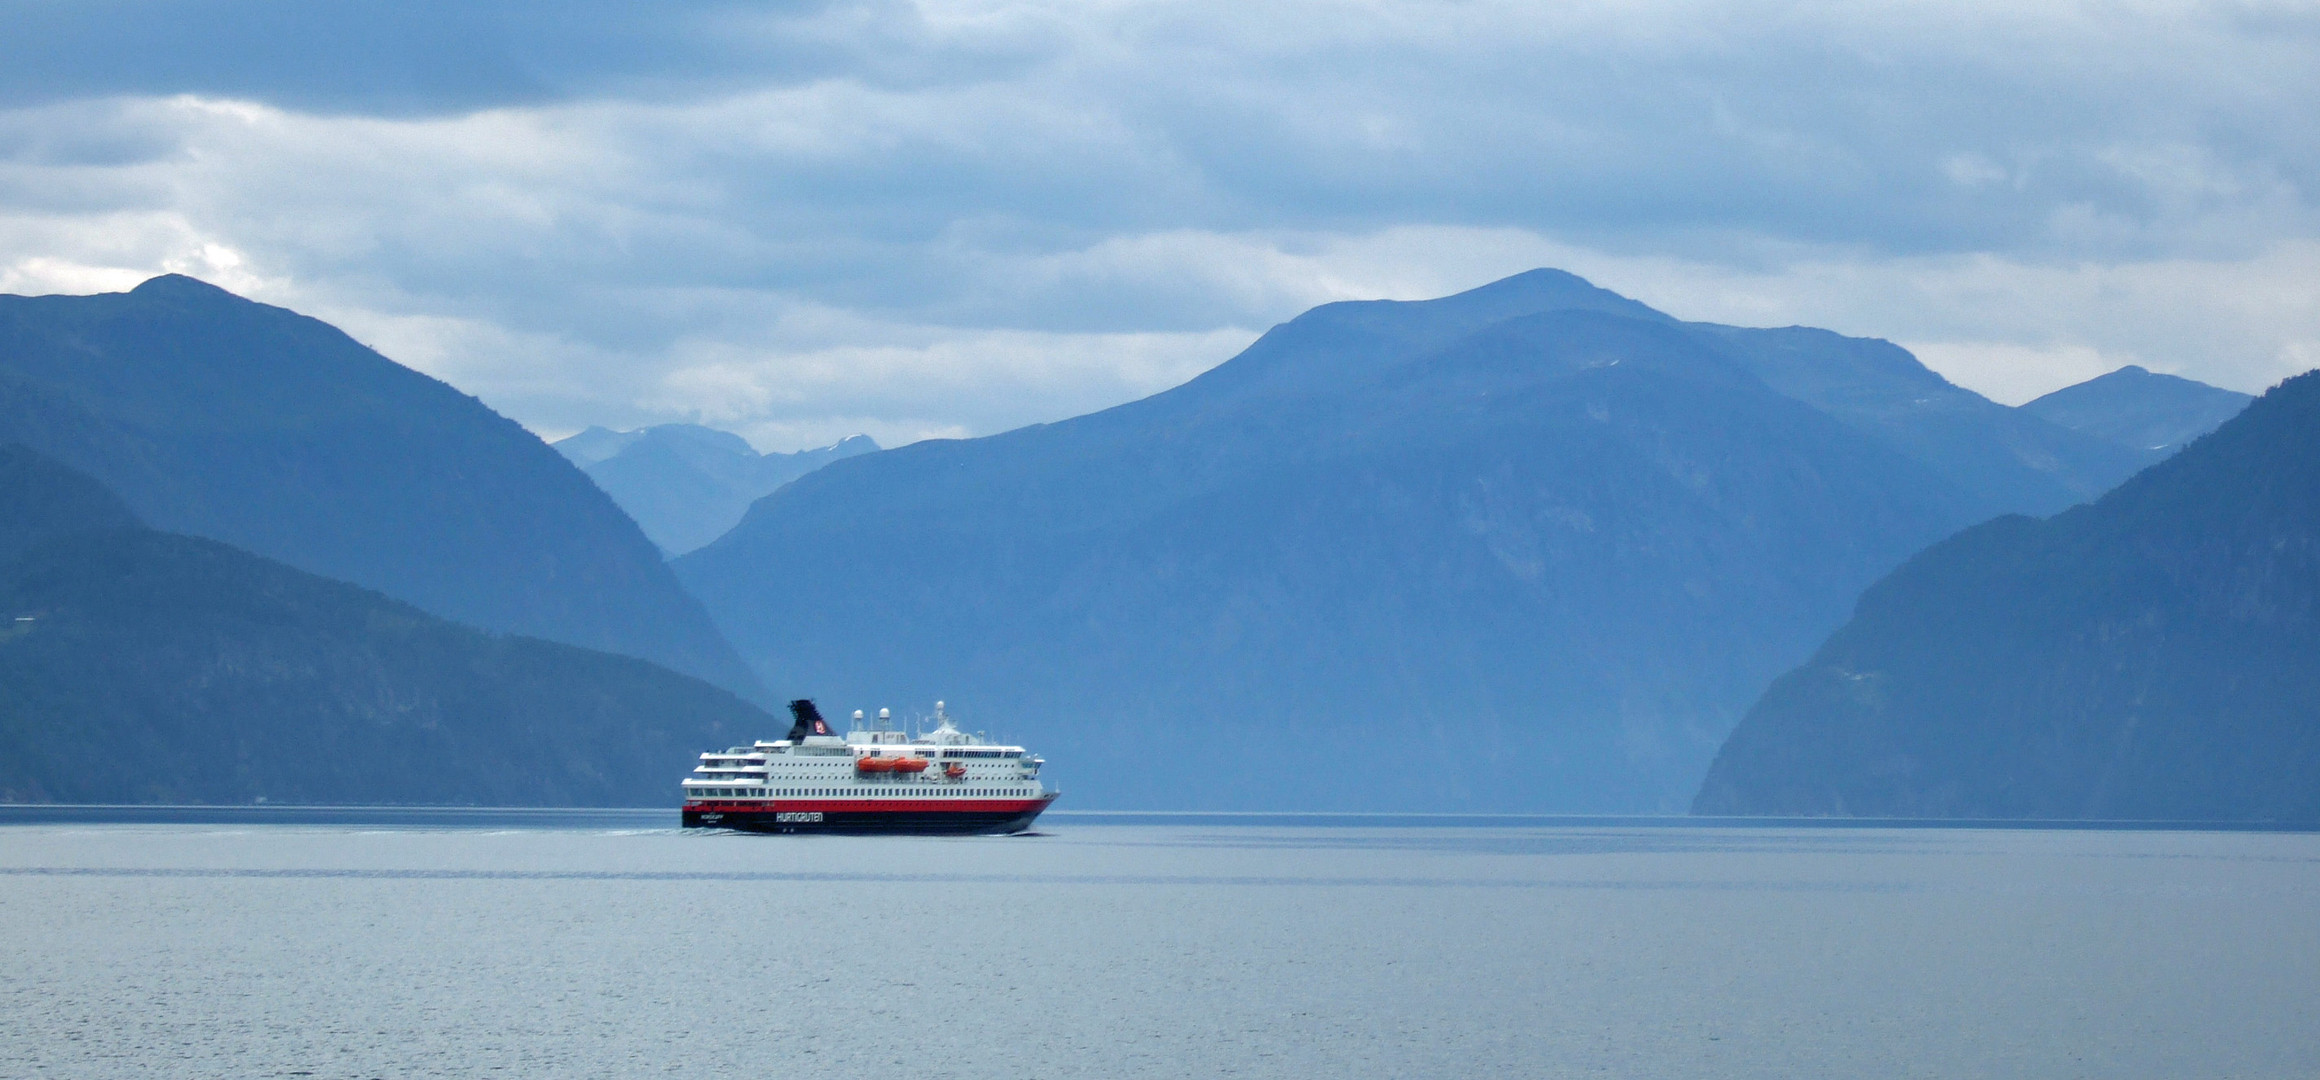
[[867, 780]]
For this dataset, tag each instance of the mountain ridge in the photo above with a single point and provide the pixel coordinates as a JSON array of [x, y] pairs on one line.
[[2149, 655], [216, 416], [138, 666]]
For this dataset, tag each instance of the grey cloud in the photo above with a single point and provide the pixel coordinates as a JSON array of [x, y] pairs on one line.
[[593, 198], [1630, 126], [413, 58], [437, 57], [362, 56]]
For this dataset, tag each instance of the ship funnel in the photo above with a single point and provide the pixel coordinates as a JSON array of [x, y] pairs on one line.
[[809, 720]]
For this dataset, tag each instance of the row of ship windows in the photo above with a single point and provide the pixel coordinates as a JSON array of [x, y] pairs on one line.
[[720, 774], [945, 755], [742, 793]]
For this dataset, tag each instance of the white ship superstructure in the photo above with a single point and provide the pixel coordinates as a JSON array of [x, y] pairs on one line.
[[871, 779]]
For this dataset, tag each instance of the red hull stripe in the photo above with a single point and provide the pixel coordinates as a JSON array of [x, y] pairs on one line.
[[868, 806]]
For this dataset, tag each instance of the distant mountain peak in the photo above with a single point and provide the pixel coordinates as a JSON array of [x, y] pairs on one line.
[[595, 444], [1532, 292], [183, 286], [1357, 338], [2140, 408], [685, 484], [1546, 289], [701, 435]]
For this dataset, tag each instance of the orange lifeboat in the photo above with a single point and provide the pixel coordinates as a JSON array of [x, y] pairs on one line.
[[909, 764], [874, 764], [955, 771]]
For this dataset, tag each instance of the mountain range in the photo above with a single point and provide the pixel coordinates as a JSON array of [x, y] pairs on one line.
[[276, 433], [686, 484], [1535, 546], [139, 666], [1532, 546], [2152, 655]]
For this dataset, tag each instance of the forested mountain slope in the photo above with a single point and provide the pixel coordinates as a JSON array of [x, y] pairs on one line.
[[2153, 655], [276, 433], [144, 667]]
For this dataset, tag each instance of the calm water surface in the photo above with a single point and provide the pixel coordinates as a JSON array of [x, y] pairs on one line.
[[569, 948]]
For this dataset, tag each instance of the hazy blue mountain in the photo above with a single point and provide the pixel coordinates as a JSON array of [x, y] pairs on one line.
[[597, 443], [276, 433], [2155, 654], [686, 484], [1530, 546], [41, 500], [2155, 413], [2005, 459], [140, 666]]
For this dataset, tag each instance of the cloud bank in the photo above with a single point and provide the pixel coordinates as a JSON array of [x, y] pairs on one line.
[[953, 218]]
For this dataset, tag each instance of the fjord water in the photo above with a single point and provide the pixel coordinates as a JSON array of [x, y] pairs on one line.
[[1179, 949]]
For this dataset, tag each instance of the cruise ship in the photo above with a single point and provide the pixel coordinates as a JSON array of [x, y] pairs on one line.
[[871, 779]]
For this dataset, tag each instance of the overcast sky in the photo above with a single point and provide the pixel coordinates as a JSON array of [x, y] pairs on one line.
[[798, 221]]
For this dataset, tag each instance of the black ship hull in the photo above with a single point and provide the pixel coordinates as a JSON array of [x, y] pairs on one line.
[[981, 817]]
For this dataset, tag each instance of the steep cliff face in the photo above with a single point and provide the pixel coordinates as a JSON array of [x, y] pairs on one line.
[[1532, 546], [2153, 655], [276, 433], [144, 667]]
